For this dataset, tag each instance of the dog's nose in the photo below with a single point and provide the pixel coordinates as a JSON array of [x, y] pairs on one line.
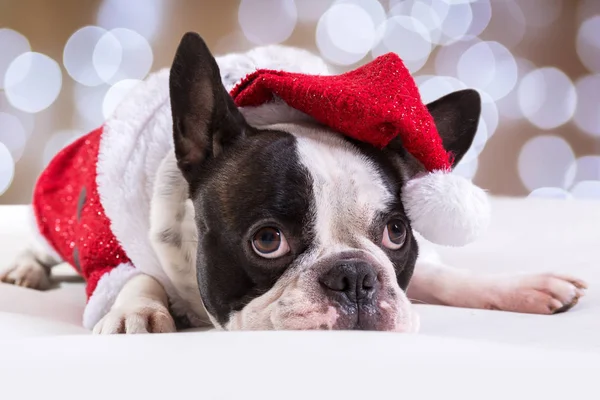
[[353, 280]]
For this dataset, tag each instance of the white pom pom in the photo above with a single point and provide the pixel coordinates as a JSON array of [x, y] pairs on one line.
[[446, 209]]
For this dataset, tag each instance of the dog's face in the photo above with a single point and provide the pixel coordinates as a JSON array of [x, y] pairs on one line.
[[298, 227]]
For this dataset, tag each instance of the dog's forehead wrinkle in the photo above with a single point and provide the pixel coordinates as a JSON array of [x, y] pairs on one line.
[[348, 188]]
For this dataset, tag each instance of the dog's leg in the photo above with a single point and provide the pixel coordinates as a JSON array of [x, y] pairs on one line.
[[140, 307], [30, 269], [435, 283]]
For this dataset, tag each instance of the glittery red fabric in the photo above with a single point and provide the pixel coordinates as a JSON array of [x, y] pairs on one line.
[[69, 214], [373, 104]]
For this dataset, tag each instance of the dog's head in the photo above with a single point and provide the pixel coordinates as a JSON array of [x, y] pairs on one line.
[[299, 227]]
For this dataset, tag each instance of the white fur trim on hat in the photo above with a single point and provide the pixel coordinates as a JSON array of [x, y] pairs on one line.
[[105, 294], [446, 209]]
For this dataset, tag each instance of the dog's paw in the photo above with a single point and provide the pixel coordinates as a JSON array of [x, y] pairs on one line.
[[539, 294], [146, 316], [27, 274]]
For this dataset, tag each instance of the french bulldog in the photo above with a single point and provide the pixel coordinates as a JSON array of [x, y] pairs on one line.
[[290, 225]]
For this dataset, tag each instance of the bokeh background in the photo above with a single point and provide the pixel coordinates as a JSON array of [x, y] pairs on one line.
[[66, 64]]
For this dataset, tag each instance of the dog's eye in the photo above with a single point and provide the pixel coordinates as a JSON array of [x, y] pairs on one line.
[[270, 243], [394, 234]]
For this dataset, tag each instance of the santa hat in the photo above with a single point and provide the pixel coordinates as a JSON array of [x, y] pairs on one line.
[[374, 104]]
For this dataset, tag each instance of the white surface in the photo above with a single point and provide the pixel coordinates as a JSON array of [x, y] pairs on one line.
[[477, 354]]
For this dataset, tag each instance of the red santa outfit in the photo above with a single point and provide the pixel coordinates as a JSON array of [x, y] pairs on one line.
[[92, 202]]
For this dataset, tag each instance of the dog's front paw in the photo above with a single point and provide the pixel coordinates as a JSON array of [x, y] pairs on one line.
[[539, 294], [27, 274], [145, 316]]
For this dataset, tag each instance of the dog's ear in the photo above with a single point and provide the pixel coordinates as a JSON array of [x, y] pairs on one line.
[[456, 117], [205, 119]]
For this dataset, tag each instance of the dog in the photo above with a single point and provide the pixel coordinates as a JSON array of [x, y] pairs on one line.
[[262, 225]]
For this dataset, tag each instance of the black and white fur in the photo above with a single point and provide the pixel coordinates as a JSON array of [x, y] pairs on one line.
[[233, 172]]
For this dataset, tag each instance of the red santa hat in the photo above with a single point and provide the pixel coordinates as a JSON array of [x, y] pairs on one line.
[[374, 104]]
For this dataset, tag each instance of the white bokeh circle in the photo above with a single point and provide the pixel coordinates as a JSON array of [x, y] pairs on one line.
[[311, 10], [122, 54], [508, 106], [508, 26], [32, 82], [12, 135], [78, 55], [587, 114], [143, 16], [544, 161], [588, 43], [432, 88], [7, 169], [482, 15], [457, 22], [267, 21], [88, 103], [490, 67], [116, 94], [586, 190], [407, 37], [345, 34], [13, 44], [547, 97], [551, 193], [586, 168]]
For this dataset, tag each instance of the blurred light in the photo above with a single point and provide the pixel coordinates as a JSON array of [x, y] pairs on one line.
[[88, 102], [142, 16], [508, 106], [467, 169], [122, 54], [585, 168], [311, 10], [541, 13], [587, 114], [482, 15], [59, 141], [544, 161], [116, 94], [508, 25], [551, 193], [490, 67], [586, 190], [408, 38], [547, 97], [12, 44], [430, 13], [456, 23], [12, 135], [267, 21], [434, 87], [78, 55], [32, 82], [588, 43], [447, 57], [345, 34], [7, 169], [371, 7], [27, 120], [585, 8]]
